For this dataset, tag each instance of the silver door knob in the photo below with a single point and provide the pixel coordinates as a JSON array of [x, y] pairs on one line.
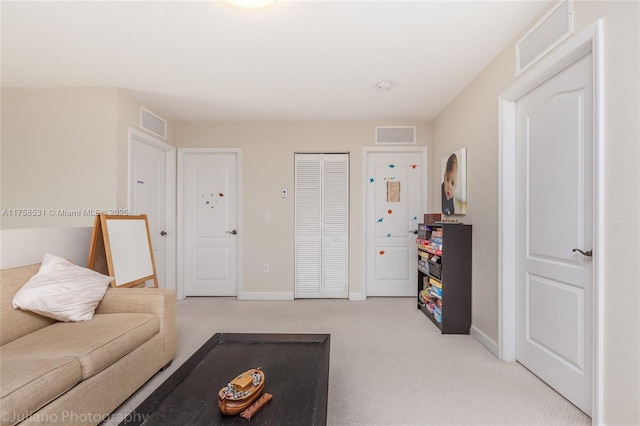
[[587, 253], [234, 232]]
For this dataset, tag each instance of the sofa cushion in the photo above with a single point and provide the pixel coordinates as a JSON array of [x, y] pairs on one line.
[[97, 343], [26, 384], [16, 323], [62, 290]]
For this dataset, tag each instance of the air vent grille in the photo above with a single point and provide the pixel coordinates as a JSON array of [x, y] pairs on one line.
[[555, 27], [391, 135], [151, 122]]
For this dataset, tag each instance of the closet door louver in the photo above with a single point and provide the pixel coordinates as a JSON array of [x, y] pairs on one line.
[[308, 214], [335, 226], [322, 225]]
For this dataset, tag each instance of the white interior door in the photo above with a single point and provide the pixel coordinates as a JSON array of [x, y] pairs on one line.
[[396, 182], [554, 288], [148, 195], [210, 213], [322, 225]]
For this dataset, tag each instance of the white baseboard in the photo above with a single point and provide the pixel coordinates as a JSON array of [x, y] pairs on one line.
[[20, 247], [265, 295], [357, 297], [283, 295], [486, 341]]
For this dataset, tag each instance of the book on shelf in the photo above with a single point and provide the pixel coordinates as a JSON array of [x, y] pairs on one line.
[[423, 230], [435, 245], [423, 296], [435, 282], [426, 245], [435, 291]]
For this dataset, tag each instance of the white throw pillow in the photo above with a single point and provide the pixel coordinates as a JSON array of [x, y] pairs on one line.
[[62, 290]]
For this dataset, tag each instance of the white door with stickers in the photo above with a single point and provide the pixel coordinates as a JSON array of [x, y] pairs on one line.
[[395, 193]]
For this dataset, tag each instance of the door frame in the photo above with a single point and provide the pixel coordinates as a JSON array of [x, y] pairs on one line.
[[589, 41], [420, 149], [182, 226], [170, 196]]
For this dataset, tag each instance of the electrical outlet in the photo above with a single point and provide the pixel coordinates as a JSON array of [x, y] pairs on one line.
[[265, 268]]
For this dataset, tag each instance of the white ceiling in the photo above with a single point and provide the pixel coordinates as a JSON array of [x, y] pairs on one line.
[[293, 60]]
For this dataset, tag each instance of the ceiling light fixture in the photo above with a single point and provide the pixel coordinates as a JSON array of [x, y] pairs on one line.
[[251, 3], [383, 85]]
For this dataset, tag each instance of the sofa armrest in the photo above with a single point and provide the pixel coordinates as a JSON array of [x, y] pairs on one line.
[[157, 301]]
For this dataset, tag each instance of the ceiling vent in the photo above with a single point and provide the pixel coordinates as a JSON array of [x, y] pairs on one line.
[[554, 27], [393, 135], [151, 122]]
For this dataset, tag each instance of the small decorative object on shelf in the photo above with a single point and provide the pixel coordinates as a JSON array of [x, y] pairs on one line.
[[241, 392], [444, 274], [432, 218]]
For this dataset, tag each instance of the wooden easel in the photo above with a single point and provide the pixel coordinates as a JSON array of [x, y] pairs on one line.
[[121, 248]]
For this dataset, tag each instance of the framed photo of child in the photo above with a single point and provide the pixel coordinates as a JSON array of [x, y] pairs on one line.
[[454, 182]]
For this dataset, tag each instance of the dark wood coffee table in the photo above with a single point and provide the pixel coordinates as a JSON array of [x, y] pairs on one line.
[[296, 368]]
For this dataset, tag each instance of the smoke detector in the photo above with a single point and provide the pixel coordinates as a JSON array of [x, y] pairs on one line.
[[383, 85]]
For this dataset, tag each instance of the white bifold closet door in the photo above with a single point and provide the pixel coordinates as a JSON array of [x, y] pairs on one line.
[[322, 225]]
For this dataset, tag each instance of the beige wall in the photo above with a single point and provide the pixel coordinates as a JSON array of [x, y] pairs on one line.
[[267, 167], [57, 154], [471, 120], [65, 150]]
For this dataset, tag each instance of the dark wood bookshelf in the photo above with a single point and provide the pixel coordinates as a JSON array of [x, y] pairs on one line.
[[455, 264]]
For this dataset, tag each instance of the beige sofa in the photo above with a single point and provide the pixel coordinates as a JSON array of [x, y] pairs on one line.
[[77, 373]]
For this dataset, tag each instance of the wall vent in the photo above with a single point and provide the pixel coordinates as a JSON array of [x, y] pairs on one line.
[[151, 122], [392, 135], [554, 27]]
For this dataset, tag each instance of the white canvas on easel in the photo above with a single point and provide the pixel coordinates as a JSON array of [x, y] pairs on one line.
[[121, 247]]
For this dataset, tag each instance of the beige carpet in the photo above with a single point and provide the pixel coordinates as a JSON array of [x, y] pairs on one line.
[[389, 364]]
